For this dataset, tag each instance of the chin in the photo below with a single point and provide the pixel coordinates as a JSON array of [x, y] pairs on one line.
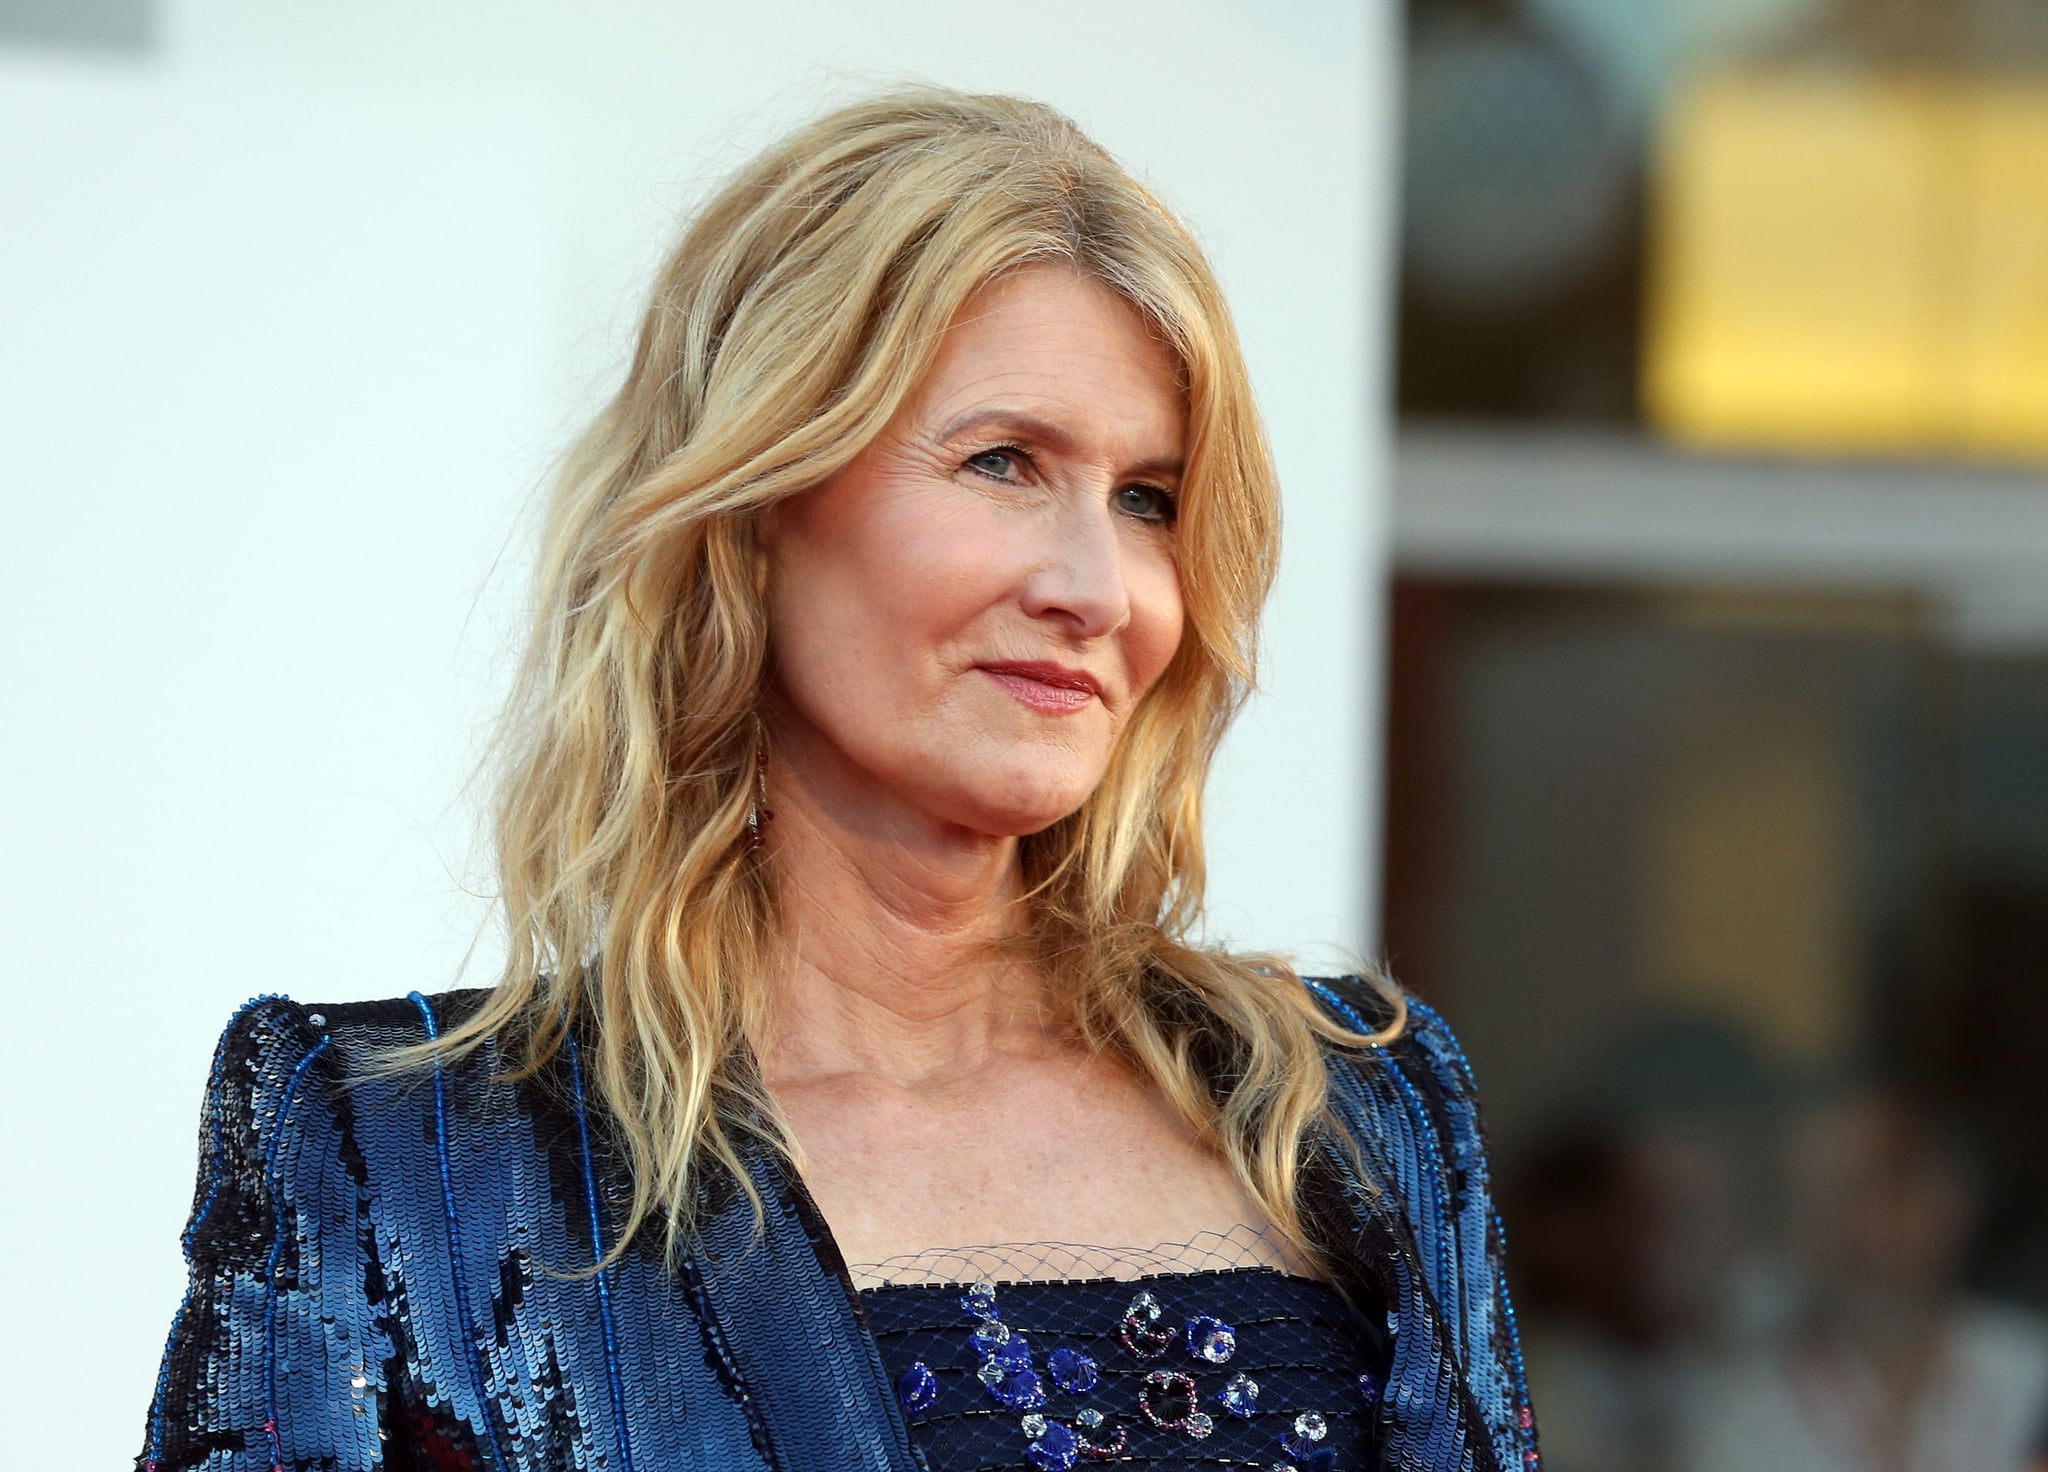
[[1020, 804]]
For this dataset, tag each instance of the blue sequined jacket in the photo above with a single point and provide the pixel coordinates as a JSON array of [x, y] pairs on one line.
[[383, 1275]]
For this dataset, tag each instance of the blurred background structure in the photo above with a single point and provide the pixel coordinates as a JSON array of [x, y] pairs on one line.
[[1717, 750]]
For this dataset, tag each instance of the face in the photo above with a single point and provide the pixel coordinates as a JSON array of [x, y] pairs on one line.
[[964, 618]]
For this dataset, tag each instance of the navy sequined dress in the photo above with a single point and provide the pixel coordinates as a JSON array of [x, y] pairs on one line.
[[394, 1275], [1232, 1367]]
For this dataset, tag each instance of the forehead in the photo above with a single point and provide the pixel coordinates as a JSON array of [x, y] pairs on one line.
[[1055, 342]]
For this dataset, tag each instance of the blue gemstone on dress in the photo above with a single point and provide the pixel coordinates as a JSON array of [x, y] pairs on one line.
[[980, 1300], [1020, 1389], [917, 1388], [1300, 1442], [991, 1335], [1209, 1338], [1072, 1370], [1369, 1386], [1055, 1449], [1240, 1396]]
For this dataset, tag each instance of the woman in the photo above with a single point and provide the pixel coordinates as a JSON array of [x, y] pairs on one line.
[[851, 1066]]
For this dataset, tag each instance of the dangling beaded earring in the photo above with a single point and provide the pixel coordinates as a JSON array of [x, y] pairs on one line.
[[758, 811]]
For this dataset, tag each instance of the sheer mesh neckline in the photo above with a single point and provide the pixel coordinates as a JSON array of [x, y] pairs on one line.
[[1239, 1247]]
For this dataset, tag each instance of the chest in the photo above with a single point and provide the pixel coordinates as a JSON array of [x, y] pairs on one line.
[[1071, 1151]]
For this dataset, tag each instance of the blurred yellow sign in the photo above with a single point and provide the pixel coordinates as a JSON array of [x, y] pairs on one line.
[[1848, 263]]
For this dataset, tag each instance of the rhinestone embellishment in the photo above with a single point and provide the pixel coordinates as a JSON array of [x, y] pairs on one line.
[[1240, 1396], [1073, 1371], [1054, 1448], [917, 1388], [1300, 1442], [980, 1300], [1167, 1399], [1209, 1338], [1016, 1385], [1143, 1331], [1106, 1440]]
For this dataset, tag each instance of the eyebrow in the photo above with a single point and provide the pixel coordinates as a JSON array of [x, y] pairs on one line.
[[1045, 432]]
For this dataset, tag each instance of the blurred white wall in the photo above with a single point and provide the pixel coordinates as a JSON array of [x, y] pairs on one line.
[[295, 305]]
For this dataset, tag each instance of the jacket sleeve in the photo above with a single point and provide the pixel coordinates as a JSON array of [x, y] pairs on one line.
[[277, 1356], [1415, 1108]]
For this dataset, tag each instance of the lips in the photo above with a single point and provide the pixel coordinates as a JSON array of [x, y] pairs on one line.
[[1052, 688]]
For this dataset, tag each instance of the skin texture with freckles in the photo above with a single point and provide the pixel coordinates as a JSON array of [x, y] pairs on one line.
[[1017, 511], [961, 538]]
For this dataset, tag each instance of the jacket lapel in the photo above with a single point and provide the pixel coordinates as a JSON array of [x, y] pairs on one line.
[[784, 1322], [1428, 1422]]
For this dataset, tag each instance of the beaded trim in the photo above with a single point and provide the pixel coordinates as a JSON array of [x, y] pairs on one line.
[[455, 1257]]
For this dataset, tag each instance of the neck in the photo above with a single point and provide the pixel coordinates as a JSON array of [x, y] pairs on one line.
[[894, 965]]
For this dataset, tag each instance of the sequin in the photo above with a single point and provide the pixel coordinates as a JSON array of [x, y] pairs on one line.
[[1209, 1338], [1073, 1371], [1240, 1396], [1016, 1387], [1055, 1449], [917, 1388]]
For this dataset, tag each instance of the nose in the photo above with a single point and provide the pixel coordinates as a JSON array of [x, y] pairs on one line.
[[1078, 580]]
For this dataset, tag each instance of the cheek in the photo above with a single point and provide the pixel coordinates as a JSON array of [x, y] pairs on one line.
[[868, 598], [1158, 619]]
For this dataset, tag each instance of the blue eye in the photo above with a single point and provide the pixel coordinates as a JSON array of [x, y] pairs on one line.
[[1147, 503], [999, 463]]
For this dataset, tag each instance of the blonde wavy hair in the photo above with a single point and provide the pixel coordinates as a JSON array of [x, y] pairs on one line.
[[801, 307]]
